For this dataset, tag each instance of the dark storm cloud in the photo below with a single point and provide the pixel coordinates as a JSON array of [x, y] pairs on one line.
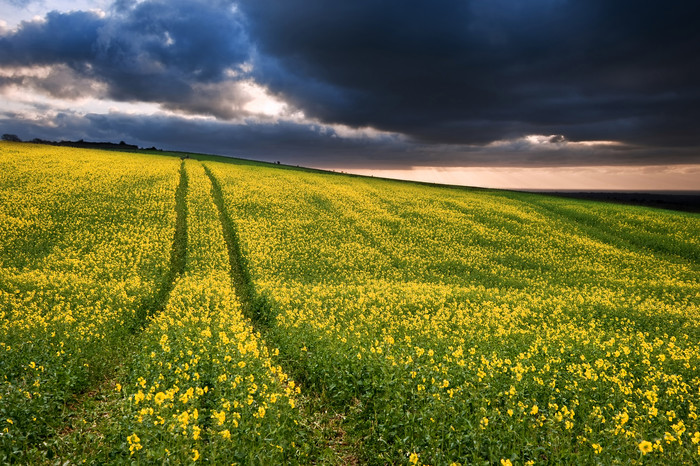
[[153, 51], [474, 71], [62, 38], [293, 143]]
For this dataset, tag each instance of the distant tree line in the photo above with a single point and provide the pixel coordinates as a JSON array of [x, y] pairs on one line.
[[80, 143]]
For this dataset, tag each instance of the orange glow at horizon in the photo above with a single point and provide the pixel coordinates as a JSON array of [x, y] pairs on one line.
[[597, 178]]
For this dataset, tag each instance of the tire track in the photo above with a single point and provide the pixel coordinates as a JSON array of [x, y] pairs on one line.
[[253, 306], [323, 423]]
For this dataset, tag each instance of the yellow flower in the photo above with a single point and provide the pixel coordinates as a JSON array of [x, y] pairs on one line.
[[184, 418], [159, 398], [195, 455], [645, 447], [413, 459], [505, 462], [696, 437], [534, 410], [220, 416], [597, 448], [134, 443], [484, 422]]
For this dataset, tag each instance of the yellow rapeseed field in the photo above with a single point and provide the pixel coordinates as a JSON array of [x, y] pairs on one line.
[[85, 238], [473, 326], [219, 303]]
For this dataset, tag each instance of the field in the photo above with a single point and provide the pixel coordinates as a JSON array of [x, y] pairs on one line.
[[209, 310]]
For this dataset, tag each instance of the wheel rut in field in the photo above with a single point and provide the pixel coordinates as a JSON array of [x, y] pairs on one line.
[[320, 419], [178, 253], [239, 274]]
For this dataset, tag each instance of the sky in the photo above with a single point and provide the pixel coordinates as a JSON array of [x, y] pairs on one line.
[[537, 94]]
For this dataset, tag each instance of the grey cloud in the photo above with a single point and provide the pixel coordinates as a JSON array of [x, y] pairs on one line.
[[59, 81], [225, 100], [477, 71], [152, 51]]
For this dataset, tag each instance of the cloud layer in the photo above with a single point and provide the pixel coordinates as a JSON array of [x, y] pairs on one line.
[[498, 82], [476, 71], [178, 53]]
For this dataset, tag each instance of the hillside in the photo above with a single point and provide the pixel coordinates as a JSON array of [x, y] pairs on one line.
[[220, 310]]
